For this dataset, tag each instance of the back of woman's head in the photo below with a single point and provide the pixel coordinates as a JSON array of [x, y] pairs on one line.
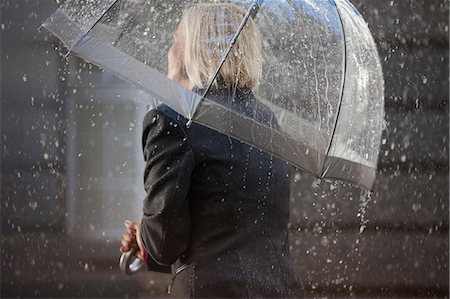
[[208, 30]]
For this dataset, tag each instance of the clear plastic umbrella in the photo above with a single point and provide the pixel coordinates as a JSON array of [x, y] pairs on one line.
[[321, 75]]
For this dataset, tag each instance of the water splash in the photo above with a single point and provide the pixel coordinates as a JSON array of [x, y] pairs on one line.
[[364, 200]]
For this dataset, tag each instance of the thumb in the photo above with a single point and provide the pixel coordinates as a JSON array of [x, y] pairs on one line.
[[139, 242], [138, 234]]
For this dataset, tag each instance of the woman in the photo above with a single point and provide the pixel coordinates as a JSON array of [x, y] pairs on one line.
[[216, 209]]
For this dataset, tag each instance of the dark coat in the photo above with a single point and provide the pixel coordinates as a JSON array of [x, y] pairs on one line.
[[217, 209]]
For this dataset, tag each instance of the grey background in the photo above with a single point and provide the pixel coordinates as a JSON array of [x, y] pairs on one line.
[[62, 200]]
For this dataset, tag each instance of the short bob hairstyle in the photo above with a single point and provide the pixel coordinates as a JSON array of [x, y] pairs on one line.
[[208, 30]]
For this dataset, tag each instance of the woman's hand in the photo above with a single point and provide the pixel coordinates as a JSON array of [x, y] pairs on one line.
[[132, 239]]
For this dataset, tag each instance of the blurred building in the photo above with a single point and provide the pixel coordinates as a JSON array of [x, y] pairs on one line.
[[71, 171]]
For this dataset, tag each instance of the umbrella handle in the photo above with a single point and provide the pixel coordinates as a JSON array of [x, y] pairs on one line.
[[129, 263]]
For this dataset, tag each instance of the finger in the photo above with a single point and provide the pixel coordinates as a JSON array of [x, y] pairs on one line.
[[128, 237], [131, 226], [131, 231], [124, 248], [128, 244]]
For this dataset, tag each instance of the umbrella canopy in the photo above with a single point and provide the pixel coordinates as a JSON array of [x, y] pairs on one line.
[[321, 75]]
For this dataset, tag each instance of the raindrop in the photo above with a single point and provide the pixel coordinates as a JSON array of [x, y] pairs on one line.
[[362, 228], [33, 205]]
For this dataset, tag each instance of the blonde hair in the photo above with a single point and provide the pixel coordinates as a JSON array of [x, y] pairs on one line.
[[208, 30]]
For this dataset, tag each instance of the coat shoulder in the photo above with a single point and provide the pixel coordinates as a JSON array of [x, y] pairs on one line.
[[166, 114]]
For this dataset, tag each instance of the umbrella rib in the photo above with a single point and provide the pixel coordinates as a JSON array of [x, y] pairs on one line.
[[343, 88], [93, 25], [252, 11]]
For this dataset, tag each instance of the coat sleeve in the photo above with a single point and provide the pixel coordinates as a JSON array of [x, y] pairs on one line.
[[165, 226]]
